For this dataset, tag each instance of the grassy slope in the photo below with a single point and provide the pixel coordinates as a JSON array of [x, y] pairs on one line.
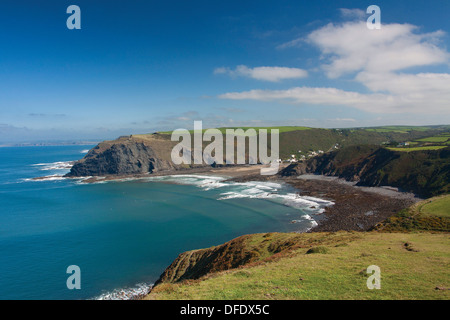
[[281, 129], [434, 139], [414, 263], [439, 206], [407, 272], [417, 149], [295, 138], [404, 129], [426, 172], [430, 215]]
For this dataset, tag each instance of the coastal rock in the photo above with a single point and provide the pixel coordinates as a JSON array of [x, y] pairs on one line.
[[425, 173], [241, 252], [197, 263], [126, 156]]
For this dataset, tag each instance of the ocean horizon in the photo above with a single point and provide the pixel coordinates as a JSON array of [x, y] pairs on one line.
[[122, 233]]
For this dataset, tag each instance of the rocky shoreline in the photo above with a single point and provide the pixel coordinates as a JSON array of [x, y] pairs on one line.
[[356, 208]]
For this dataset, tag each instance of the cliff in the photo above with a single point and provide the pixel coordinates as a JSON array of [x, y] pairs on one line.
[[335, 267], [426, 173], [149, 153], [126, 155], [243, 251]]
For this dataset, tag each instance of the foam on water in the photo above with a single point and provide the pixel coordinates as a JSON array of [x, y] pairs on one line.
[[204, 182], [53, 177], [107, 220], [136, 292], [271, 191], [59, 165]]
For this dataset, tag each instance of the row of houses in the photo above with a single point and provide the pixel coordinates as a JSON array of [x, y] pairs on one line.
[[310, 154]]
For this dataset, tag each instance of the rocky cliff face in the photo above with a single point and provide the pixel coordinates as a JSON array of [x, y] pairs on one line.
[[426, 173], [126, 155], [242, 252], [197, 263]]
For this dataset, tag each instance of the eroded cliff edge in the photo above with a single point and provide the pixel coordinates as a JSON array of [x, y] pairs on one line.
[[425, 173], [244, 251], [130, 155]]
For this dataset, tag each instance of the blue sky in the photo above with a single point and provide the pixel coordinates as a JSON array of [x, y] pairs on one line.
[[142, 66]]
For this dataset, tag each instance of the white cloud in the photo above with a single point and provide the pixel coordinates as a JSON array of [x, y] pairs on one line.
[[378, 59], [407, 84], [342, 120], [378, 103], [352, 47], [352, 13], [290, 44], [273, 74]]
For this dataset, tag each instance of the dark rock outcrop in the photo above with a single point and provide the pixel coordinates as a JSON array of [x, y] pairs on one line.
[[242, 252], [197, 263], [125, 156], [426, 173]]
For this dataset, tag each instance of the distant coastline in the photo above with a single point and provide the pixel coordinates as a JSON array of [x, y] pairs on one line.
[[49, 144]]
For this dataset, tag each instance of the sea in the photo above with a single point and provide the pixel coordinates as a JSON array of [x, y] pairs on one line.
[[121, 234]]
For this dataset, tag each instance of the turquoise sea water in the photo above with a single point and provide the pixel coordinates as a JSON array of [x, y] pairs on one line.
[[121, 233]]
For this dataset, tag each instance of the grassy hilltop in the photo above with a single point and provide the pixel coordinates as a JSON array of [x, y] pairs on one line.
[[423, 172], [151, 153], [414, 259], [413, 266], [295, 140], [412, 248]]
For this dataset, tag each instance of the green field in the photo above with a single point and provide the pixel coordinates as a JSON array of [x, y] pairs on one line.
[[439, 206], [437, 139], [399, 129], [281, 129], [412, 250], [430, 215], [300, 140], [417, 148], [412, 266]]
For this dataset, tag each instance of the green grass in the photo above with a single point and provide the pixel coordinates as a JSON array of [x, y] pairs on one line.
[[430, 215], [399, 129], [281, 129], [296, 138], [412, 266], [417, 148], [436, 139], [439, 207]]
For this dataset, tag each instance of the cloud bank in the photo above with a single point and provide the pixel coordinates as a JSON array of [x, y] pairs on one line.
[[380, 60], [272, 74]]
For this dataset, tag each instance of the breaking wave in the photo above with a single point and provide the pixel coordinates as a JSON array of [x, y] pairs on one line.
[[271, 191], [138, 291], [59, 165], [53, 177]]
